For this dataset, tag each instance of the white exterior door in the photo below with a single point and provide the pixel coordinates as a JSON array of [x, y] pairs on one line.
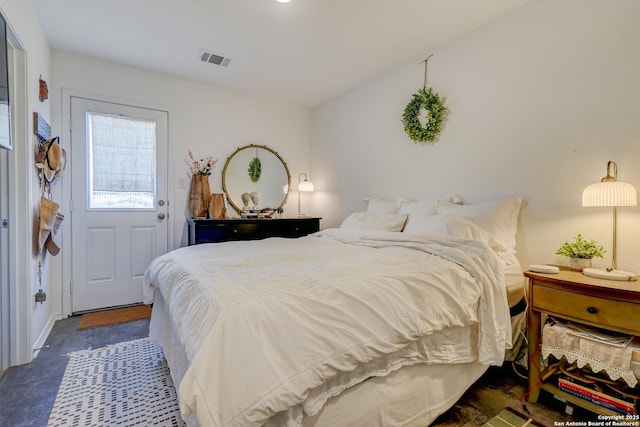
[[119, 200]]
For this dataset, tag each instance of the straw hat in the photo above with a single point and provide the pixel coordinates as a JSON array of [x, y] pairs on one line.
[[51, 246], [53, 159], [61, 164], [48, 211]]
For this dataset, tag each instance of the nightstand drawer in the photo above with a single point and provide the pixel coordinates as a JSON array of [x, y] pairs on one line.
[[590, 309]]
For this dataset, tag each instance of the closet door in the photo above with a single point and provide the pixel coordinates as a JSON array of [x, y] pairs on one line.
[[5, 319]]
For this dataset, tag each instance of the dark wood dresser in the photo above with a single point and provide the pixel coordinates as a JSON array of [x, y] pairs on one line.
[[223, 230]]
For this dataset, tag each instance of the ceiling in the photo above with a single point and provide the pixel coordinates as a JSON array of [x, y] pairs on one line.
[[302, 53]]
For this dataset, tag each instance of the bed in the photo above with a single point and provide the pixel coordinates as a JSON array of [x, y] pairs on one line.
[[364, 324]]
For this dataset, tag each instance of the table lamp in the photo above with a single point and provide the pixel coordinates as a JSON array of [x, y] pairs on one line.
[[303, 186], [612, 193]]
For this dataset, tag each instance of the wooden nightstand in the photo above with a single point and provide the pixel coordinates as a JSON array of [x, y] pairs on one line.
[[570, 295]]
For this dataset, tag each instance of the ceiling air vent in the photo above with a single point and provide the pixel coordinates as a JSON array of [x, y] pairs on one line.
[[212, 58]]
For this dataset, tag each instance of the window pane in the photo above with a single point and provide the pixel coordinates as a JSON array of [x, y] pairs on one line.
[[122, 162]]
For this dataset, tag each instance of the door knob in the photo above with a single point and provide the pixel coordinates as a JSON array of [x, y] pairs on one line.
[[160, 216]]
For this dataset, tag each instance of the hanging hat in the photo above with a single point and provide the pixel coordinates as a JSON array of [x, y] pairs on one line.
[[50, 244], [42, 151], [48, 211], [62, 163], [53, 159]]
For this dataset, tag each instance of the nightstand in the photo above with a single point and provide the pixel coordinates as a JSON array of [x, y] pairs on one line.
[[570, 295]]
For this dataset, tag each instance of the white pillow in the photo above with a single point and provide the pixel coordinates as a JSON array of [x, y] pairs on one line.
[[374, 221], [454, 226], [378, 205], [418, 208], [498, 217], [430, 207]]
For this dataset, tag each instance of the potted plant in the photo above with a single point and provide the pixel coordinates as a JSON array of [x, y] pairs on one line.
[[580, 252]]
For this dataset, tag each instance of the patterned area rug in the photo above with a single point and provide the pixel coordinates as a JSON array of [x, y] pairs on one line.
[[508, 417], [126, 384]]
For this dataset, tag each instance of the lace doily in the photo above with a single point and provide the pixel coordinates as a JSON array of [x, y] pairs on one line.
[[614, 360]]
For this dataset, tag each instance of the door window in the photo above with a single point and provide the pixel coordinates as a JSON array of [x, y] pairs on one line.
[[122, 162]]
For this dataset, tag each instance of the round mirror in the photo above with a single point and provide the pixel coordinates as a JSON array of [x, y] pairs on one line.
[[254, 178]]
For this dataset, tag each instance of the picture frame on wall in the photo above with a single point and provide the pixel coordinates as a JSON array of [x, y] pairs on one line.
[[41, 128]]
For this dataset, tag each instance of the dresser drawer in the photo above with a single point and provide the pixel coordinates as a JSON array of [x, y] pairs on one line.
[[225, 232], [593, 310], [221, 230], [295, 228]]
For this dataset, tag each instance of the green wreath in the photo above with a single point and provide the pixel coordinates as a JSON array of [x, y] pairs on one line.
[[255, 169], [430, 101]]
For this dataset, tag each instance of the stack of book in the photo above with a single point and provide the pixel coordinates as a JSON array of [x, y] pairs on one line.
[[606, 397]]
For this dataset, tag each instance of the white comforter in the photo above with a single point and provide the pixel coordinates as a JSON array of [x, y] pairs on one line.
[[280, 325]]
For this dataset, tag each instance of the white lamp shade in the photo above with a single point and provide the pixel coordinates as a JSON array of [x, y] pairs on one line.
[[609, 193], [305, 186]]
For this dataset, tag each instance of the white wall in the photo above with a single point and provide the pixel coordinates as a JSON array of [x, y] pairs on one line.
[[539, 101], [30, 321], [207, 120]]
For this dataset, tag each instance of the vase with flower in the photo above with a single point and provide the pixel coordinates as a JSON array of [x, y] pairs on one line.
[[199, 191]]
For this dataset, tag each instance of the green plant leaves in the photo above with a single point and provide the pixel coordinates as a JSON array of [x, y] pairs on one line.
[[255, 169], [430, 101], [581, 248]]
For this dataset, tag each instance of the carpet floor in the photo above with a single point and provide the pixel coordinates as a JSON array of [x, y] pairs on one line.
[[27, 392]]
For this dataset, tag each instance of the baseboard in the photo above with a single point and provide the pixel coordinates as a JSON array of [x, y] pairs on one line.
[[39, 343]]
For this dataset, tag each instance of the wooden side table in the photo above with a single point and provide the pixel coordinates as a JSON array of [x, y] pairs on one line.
[[570, 295]]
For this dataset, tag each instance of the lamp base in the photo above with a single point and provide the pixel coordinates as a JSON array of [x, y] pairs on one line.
[[599, 273]]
